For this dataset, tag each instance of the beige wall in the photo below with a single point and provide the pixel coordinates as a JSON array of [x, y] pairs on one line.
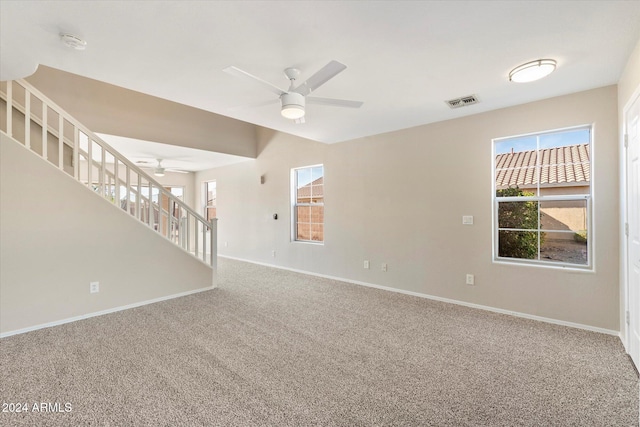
[[628, 85], [57, 237], [114, 110], [384, 199]]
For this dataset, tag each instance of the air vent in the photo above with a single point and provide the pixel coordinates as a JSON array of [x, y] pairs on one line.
[[463, 101]]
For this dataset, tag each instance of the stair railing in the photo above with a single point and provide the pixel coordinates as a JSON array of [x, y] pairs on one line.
[[43, 127]]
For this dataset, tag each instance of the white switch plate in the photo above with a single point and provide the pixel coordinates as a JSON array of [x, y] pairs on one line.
[[94, 287], [467, 220], [470, 279]]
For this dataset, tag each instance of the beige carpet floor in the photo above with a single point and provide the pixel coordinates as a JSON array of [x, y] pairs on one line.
[[276, 348]]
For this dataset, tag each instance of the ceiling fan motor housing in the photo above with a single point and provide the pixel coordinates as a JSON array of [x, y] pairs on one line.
[[292, 105]]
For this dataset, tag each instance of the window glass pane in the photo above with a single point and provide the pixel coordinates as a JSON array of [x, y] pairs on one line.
[[516, 166], [308, 205], [565, 138], [316, 173], [317, 221], [567, 215], [547, 165], [303, 225], [518, 244], [566, 247], [518, 215]]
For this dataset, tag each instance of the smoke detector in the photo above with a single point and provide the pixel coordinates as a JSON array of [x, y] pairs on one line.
[[73, 41]]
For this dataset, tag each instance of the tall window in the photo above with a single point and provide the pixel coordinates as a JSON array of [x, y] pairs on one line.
[[542, 198], [308, 203], [209, 191]]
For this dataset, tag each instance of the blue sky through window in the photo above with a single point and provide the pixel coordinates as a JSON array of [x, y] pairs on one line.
[[307, 175], [551, 140]]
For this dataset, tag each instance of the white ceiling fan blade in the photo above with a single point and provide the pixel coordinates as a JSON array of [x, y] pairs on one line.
[[334, 102], [258, 104], [325, 74], [235, 71], [176, 171]]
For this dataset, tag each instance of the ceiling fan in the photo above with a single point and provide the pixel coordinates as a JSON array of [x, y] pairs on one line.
[[294, 99], [158, 170]]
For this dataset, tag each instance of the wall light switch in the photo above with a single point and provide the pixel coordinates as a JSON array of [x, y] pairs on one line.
[[467, 220]]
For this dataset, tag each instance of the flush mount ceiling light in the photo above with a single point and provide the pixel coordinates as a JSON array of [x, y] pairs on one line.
[[532, 71], [73, 41], [292, 105]]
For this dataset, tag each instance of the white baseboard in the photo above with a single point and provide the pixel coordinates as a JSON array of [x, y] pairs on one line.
[[103, 312], [436, 298]]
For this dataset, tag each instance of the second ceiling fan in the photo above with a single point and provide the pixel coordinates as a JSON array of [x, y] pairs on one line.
[[294, 99]]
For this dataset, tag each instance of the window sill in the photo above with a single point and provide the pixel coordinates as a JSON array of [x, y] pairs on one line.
[[562, 267]]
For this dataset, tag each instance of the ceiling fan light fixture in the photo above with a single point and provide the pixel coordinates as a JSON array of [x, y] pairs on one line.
[[532, 71], [159, 170], [292, 105]]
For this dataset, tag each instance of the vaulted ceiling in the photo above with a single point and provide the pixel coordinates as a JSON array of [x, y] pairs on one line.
[[404, 58]]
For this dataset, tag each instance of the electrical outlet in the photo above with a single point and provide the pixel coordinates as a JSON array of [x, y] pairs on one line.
[[384, 267], [366, 264], [273, 253], [226, 244], [94, 287], [470, 279], [467, 220]]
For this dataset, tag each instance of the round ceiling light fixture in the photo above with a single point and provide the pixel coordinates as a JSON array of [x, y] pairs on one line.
[[73, 41], [292, 105], [532, 71]]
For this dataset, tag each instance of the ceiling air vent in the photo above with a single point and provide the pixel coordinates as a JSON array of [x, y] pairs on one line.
[[462, 102]]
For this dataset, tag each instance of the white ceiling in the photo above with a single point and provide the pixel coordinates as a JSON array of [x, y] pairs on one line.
[[146, 154], [404, 58]]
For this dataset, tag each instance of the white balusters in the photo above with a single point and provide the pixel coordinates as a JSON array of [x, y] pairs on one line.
[[118, 180]]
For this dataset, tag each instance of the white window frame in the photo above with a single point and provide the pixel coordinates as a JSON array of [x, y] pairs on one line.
[[589, 266], [205, 195], [295, 204]]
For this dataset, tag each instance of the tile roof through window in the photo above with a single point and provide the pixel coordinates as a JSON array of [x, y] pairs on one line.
[[568, 165], [304, 192]]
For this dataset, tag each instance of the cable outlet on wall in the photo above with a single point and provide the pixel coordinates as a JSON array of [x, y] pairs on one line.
[[470, 279], [384, 267], [366, 264], [94, 287]]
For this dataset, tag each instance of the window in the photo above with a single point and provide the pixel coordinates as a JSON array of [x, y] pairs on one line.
[[308, 203], [542, 198], [209, 190]]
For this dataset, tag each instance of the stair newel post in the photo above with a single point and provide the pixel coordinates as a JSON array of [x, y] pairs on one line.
[[213, 243], [196, 236], [214, 249]]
